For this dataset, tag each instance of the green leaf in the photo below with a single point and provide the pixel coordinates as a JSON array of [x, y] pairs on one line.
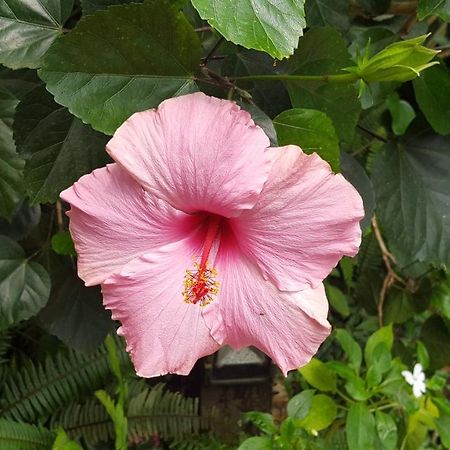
[[300, 404], [357, 389], [322, 51], [63, 442], [321, 415], [401, 305], [422, 355], [402, 114], [24, 436], [443, 427], [381, 363], [382, 336], [432, 91], [11, 165], [360, 428], [75, 313], [256, 443], [386, 431], [338, 300], [23, 220], [350, 347], [311, 130], [318, 375], [439, 8], [28, 28], [434, 333], [323, 12], [264, 421], [24, 285], [150, 54], [413, 198], [62, 243], [264, 25], [354, 172], [58, 147]]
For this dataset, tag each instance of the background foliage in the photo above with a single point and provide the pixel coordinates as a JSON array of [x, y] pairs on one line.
[[336, 77]]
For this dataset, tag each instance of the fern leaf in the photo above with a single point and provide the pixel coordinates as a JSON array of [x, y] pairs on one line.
[[24, 436], [38, 390], [152, 411]]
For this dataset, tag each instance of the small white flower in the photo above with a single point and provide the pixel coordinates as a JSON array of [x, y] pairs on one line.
[[416, 379]]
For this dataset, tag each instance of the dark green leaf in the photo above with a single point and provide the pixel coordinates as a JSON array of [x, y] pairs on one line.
[[299, 405], [24, 436], [360, 428], [150, 54], [434, 333], [355, 174], [271, 27], [322, 51], [23, 220], [318, 375], [27, 29], [375, 6], [413, 198], [18, 82], [75, 313], [323, 12], [427, 8], [422, 355], [270, 96], [90, 6], [262, 120], [443, 427], [11, 165], [58, 147], [401, 305], [311, 130], [24, 285], [357, 389], [432, 91]]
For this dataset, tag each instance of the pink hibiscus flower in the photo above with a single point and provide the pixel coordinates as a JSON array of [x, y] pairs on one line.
[[202, 236]]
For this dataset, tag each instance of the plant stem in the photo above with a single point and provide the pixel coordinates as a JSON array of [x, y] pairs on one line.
[[338, 78]]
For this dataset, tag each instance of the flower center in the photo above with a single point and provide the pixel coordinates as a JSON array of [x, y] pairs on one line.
[[200, 285]]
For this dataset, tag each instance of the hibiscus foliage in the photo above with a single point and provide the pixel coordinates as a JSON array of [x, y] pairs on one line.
[[365, 84]]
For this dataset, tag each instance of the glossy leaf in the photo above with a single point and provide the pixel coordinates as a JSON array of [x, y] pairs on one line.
[[322, 51], [273, 27], [382, 336], [311, 130], [323, 12], [413, 198], [24, 285], [58, 147], [28, 28], [432, 91], [11, 165], [150, 54]]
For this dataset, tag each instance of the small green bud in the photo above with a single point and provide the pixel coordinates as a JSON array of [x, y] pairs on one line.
[[400, 61]]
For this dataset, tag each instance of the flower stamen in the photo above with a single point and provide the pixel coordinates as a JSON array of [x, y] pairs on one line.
[[200, 285]]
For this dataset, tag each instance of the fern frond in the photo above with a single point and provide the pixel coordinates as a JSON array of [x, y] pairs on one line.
[[153, 411], [38, 390], [24, 436]]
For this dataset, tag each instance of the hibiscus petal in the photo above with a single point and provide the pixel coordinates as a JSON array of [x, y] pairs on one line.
[[113, 220], [163, 333], [198, 153], [306, 219], [287, 326]]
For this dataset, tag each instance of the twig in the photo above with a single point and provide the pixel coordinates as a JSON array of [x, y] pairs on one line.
[[372, 133], [59, 215], [211, 52], [391, 276], [201, 29]]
